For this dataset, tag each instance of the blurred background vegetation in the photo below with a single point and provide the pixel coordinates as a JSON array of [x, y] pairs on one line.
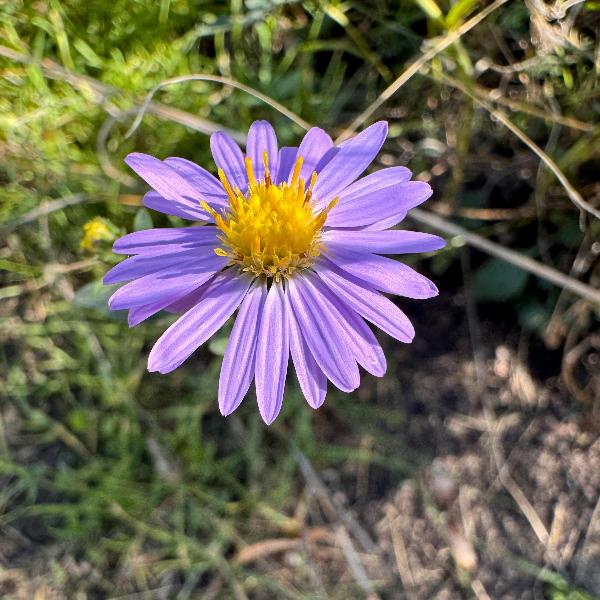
[[471, 470]]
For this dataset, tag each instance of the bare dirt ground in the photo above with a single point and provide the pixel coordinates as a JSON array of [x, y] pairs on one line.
[[506, 508], [501, 501]]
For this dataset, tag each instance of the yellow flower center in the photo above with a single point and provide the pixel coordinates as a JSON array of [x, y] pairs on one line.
[[272, 230]]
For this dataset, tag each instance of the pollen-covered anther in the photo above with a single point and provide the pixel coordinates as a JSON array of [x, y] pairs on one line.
[[271, 230], [267, 172]]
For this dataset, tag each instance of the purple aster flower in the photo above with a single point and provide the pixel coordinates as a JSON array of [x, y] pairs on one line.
[[292, 240]]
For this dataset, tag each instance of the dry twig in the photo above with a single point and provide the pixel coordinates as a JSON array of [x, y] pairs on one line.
[[333, 507], [400, 553], [523, 262], [355, 564]]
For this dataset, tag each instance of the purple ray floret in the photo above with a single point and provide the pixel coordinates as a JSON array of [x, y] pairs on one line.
[[292, 239]]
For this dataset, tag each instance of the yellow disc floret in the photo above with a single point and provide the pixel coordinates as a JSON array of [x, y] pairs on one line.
[[272, 230], [94, 231]]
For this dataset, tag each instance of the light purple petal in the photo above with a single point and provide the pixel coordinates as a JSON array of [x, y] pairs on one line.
[[152, 241], [378, 204], [229, 157], [374, 307], [384, 178], [286, 160], [208, 187], [327, 158], [187, 210], [197, 176], [417, 193], [393, 241], [364, 345], [172, 282], [140, 313], [352, 159], [237, 370], [198, 324], [382, 273], [261, 137], [360, 338], [380, 180], [144, 264], [183, 304], [272, 354], [384, 223], [313, 147], [321, 331], [137, 314], [165, 180], [312, 380]]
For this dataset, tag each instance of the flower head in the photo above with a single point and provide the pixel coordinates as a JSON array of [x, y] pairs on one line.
[[293, 241], [271, 230], [95, 231]]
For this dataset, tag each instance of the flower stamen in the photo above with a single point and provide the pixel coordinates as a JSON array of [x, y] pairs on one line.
[[250, 172], [267, 172], [272, 230], [225, 184], [296, 173], [313, 179]]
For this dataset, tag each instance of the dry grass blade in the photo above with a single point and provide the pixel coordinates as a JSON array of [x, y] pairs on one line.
[[418, 64], [265, 548], [590, 546], [479, 590], [484, 214], [399, 547], [521, 500], [515, 258], [355, 564], [573, 194], [495, 95], [333, 508], [216, 79]]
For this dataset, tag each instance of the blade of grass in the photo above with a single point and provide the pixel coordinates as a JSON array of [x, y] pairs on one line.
[[416, 66], [103, 92], [336, 13]]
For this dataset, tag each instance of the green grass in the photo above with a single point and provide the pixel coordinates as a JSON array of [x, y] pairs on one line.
[[136, 474]]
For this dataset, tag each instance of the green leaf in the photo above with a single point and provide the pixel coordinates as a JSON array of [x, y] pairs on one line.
[[430, 8], [78, 420], [16, 267], [218, 346], [142, 220], [94, 295], [459, 11], [498, 281], [533, 315], [88, 53]]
